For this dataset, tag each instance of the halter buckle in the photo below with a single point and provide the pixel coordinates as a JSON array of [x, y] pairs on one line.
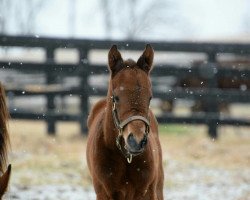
[[114, 107], [129, 159]]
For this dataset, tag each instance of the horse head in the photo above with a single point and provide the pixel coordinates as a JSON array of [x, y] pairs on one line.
[[131, 94]]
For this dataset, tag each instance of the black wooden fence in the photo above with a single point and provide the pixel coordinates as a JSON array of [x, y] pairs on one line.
[[210, 95]]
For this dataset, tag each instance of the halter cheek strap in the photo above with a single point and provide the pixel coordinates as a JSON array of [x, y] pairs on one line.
[[120, 125]]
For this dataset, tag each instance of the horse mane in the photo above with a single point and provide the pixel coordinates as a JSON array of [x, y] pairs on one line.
[[4, 135]]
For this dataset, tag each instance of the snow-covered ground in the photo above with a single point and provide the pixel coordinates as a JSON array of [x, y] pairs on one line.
[[181, 183], [196, 167]]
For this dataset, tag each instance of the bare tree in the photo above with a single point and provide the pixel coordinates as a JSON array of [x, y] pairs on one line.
[[107, 9], [246, 19], [5, 8], [26, 14], [137, 17], [72, 17], [21, 15]]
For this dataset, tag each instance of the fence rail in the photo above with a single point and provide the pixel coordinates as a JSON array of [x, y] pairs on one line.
[[211, 95]]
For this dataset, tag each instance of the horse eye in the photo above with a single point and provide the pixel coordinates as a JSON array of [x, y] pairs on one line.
[[116, 98]]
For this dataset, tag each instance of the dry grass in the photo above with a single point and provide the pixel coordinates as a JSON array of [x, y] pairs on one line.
[[41, 159], [38, 158], [230, 151]]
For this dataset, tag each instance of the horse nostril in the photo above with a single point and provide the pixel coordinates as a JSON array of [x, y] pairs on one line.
[[130, 136], [132, 142], [144, 141], [134, 145]]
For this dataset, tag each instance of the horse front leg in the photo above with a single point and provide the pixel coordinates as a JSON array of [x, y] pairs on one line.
[[101, 196], [107, 194], [100, 191], [149, 194], [104, 196]]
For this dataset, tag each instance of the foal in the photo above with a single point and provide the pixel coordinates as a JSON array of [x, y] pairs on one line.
[[123, 150], [4, 141]]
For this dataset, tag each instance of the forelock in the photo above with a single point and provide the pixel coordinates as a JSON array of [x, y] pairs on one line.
[[130, 63]]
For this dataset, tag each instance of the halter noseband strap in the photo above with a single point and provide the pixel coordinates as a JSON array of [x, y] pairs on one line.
[[120, 125], [132, 118]]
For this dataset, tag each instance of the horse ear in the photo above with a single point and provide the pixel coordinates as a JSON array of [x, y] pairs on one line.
[[4, 181], [146, 60], [115, 60]]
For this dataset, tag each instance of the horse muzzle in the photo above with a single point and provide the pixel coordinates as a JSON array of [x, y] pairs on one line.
[[133, 146]]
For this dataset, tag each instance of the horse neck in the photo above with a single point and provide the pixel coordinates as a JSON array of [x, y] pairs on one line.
[[4, 138], [110, 131]]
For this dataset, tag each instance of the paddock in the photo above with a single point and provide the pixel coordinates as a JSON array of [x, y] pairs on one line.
[[54, 166], [46, 167], [85, 60]]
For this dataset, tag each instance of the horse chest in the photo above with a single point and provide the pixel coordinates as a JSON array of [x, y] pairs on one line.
[[139, 174], [124, 175]]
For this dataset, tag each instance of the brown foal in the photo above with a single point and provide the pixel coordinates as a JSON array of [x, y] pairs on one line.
[[123, 151]]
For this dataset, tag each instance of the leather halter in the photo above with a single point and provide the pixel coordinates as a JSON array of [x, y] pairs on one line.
[[120, 125]]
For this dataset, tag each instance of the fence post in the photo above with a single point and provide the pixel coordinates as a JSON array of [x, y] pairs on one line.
[[212, 106], [84, 89], [50, 79]]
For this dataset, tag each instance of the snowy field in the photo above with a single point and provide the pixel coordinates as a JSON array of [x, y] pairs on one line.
[[196, 167], [192, 183]]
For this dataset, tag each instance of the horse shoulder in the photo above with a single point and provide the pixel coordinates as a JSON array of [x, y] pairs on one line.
[[159, 170], [100, 105]]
